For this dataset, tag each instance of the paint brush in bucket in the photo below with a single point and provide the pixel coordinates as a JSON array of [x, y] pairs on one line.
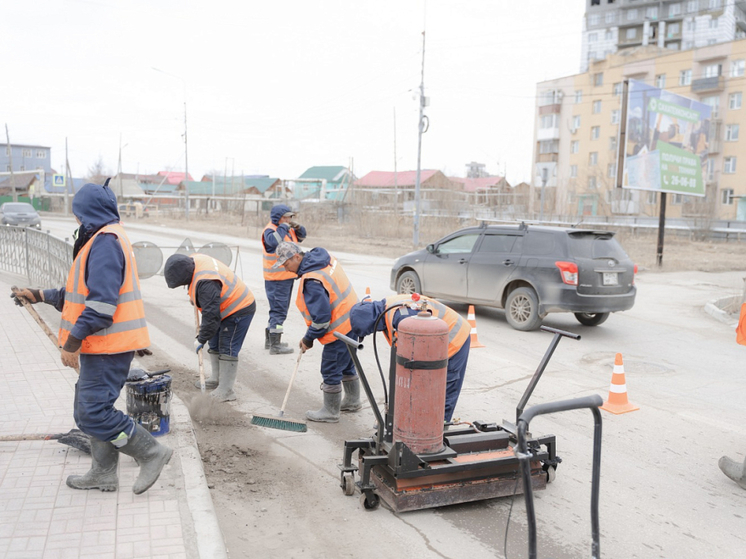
[[278, 421]]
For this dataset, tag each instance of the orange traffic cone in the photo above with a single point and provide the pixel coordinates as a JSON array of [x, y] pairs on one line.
[[367, 294], [617, 402], [473, 321]]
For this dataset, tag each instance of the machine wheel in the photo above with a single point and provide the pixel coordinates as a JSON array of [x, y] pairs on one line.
[[591, 319], [408, 282], [348, 485], [522, 309], [551, 472], [370, 503]]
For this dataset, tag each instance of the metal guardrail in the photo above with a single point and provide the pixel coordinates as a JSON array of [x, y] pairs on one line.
[[44, 259]]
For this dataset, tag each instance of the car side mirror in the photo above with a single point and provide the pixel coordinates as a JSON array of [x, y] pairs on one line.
[[430, 249]]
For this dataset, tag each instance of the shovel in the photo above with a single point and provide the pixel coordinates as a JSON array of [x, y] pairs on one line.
[[74, 438], [199, 353]]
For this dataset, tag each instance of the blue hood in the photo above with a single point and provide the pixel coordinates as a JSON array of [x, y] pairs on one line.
[[95, 206], [314, 259], [363, 317], [277, 212]]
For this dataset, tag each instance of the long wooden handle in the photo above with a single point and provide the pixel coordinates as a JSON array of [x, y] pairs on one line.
[[199, 353], [292, 378], [35, 315]]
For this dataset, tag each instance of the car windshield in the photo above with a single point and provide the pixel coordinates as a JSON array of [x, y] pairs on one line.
[[596, 245], [20, 207]]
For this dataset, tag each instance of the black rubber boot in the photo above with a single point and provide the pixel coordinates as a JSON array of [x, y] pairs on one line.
[[228, 372], [150, 455], [103, 472], [329, 413], [266, 338], [214, 379], [276, 347], [734, 470], [351, 401]]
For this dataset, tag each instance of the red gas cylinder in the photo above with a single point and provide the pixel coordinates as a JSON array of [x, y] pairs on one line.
[[421, 370]]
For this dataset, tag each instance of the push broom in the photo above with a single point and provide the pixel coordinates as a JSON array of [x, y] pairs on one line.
[[278, 421]]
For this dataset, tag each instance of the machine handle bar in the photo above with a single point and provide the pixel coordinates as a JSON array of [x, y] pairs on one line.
[[560, 332], [349, 341]]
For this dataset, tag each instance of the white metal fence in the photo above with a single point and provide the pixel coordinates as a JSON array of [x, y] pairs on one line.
[[44, 260]]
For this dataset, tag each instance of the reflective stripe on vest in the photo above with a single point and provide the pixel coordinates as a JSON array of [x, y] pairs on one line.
[[128, 331], [270, 258], [234, 294], [341, 299], [459, 329]]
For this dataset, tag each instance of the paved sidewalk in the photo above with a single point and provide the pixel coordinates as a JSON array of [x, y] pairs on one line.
[[40, 517]]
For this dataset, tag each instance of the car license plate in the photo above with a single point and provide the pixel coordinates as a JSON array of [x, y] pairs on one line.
[[610, 278]]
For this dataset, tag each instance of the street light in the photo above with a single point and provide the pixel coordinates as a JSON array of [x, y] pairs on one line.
[[544, 176], [186, 151]]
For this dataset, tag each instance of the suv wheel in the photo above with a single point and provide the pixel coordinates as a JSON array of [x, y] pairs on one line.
[[522, 309], [591, 319], [407, 283]]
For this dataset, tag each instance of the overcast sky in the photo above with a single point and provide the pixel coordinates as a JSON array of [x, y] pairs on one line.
[[275, 87]]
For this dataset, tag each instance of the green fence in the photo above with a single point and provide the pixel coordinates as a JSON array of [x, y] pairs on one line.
[[40, 204]]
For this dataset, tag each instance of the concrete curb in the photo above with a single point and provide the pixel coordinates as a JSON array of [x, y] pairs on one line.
[[715, 309]]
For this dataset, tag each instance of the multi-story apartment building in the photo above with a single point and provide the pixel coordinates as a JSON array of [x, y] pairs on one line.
[[611, 26], [25, 158], [576, 132]]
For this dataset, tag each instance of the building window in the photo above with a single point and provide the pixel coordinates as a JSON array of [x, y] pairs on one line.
[[737, 68], [575, 146], [611, 170], [691, 25], [594, 19], [652, 197], [549, 146], [575, 122], [610, 17], [578, 97], [713, 70], [548, 121], [674, 9], [673, 30], [632, 14], [598, 79], [713, 23], [593, 159], [710, 169], [595, 132], [729, 165], [716, 4], [617, 89], [652, 12], [26, 153], [692, 6], [608, 35], [660, 81], [685, 77], [573, 171], [731, 133], [734, 100], [726, 196], [592, 183], [612, 143], [631, 33], [711, 41], [592, 37], [714, 102], [596, 107], [41, 154], [615, 116]]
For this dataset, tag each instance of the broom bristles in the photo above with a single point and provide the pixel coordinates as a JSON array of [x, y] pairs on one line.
[[274, 422]]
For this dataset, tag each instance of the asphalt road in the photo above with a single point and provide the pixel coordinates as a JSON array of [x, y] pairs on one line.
[[662, 494]]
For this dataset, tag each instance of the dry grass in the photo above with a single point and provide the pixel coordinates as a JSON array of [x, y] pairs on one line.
[[392, 236]]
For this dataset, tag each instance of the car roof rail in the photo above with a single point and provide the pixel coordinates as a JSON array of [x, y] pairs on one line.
[[523, 226], [483, 224]]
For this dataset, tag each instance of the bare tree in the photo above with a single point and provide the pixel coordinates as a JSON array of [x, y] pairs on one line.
[[98, 172]]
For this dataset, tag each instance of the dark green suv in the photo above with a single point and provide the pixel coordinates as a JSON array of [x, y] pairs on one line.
[[529, 271]]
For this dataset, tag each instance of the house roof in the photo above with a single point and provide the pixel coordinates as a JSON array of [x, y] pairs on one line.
[[330, 174], [173, 177], [478, 184], [228, 187], [22, 181], [386, 179]]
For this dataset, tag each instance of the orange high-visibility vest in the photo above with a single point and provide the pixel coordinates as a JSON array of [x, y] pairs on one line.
[[128, 332], [459, 329], [741, 329], [234, 295], [341, 297], [270, 258]]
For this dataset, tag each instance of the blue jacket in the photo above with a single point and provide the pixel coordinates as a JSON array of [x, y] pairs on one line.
[[364, 314], [95, 206], [270, 240], [314, 294]]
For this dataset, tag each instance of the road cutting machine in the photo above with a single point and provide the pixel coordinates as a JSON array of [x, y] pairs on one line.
[[414, 461]]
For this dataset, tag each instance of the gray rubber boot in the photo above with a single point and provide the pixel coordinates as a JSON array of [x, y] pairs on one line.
[[276, 347], [228, 371], [103, 472], [329, 413], [149, 454], [351, 401], [266, 338], [212, 381], [734, 470]]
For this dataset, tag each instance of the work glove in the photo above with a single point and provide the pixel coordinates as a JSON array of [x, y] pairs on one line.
[[295, 225], [33, 296], [198, 345], [143, 352]]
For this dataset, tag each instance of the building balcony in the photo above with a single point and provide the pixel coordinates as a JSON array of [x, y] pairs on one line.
[[715, 83], [547, 134], [547, 158], [554, 108]]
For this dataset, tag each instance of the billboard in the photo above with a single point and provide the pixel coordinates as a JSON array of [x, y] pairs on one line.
[[667, 141]]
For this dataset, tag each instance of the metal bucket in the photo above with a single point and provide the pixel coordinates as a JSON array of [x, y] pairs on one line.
[[148, 403]]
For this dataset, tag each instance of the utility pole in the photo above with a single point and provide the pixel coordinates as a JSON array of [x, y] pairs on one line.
[[119, 170], [186, 158], [423, 120], [544, 173], [68, 181], [396, 176], [10, 162]]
